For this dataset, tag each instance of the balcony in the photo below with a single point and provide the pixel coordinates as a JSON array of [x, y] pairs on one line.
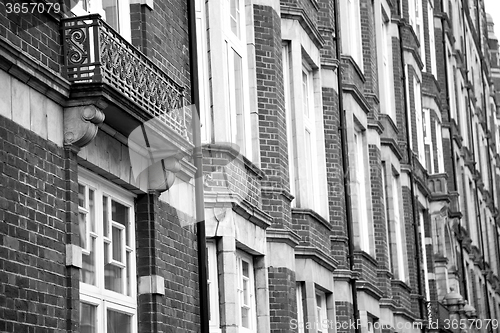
[[95, 55]]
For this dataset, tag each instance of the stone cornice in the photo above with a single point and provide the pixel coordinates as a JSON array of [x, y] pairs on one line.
[[32, 73], [317, 255], [286, 236], [307, 24]]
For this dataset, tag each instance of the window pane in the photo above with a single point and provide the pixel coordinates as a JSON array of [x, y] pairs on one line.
[[245, 292], [87, 273], [117, 244], [82, 224], [129, 286], [119, 213], [88, 318], [305, 94], [244, 266], [235, 17], [245, 317], [81, 196], [118, 322], [92, 210], [238, 100], [113, 278], [111, 9], [105, 224]]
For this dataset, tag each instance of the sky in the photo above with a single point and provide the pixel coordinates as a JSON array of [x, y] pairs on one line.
[[493, 8]]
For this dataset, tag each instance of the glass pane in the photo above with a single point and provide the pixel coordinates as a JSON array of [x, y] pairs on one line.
[[88, 321], [245, 292], [118, 322], [82, 226], [106, 253], [105, 216], [235, 17], [113, 278], [245, 317], [111, 9], [305, 94], [117, 244], [119, 213], [238, 98], [87, 273], [129, 287], [81, 196], [92, 210], [244, 266]]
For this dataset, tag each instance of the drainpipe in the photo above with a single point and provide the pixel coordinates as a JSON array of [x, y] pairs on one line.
[[345, 167], [198, 163], [412, 167]]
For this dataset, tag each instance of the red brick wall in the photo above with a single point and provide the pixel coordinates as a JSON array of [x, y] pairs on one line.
[[282, 298], [165, 248], [36, 34], [37, 177], [161, 33]]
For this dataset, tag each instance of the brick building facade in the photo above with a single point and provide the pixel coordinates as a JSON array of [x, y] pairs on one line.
[[350, 166]]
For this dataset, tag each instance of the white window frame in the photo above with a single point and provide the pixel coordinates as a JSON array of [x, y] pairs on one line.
[[361, 191], [432, 42], [424, 253], [418, 119], [238, 120], [96, 7], [386, 68], [351, 44], [290, 133], [427, 133], [385, 198], [251, 305], [203, 74], [311, 199], [213, 287], [300, 308], [439, 148], [419, 28], [398, 229], [321, 312], [97, 294]]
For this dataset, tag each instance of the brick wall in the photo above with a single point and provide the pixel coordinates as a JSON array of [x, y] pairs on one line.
[[165, 248], [282, 298], [272, 118], [36, 34], [36, 221], [335, 176], [344, 314], [161, 33]]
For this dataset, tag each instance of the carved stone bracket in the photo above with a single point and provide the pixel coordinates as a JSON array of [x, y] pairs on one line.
[[81, 124]]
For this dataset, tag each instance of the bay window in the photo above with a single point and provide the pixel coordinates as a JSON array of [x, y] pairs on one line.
[[108, 281]]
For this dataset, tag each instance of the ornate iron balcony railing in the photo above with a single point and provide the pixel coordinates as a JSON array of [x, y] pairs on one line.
[[94, 53]]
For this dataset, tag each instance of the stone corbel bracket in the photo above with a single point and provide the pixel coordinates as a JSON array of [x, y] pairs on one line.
[[81, 124]]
